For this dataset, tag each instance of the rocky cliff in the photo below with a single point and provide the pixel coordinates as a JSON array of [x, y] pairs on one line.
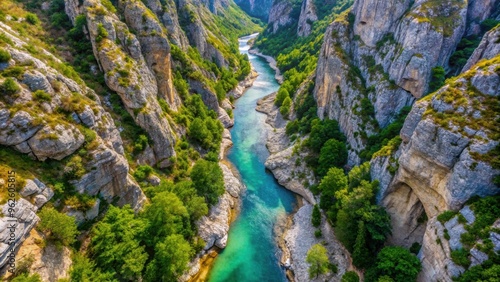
[[447, 156], [256, 8], [378, 58]]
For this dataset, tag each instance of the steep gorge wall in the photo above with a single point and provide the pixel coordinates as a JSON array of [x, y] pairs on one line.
[[382, 53]]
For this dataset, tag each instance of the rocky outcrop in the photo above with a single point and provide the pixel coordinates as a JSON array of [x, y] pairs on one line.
[[382, 53], [279, 15], [444, 160], [300, 238], [487, 49], [307, 18], [127, 73], [36, 127], [478, 11], [285, 161], [214, 227]]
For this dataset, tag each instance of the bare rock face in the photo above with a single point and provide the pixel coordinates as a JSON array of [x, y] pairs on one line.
[[256, 8], [487, 49], [279, 15], [285, 165], [128, 74], [167, 14], [155, 49], [307, 17], [381, 54], [478, 11], [300, 238], [57, 143]]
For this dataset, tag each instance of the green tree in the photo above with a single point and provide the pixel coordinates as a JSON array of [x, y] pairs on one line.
[[332, 154], [437, 78], [208, 180], [166, 215], [281, 96], [350, 276], [285, 107], [116, 244], [195, 205], [318, 259], [322, 131], [397, 263], [335, 180], [361, 257], [57, 226], [171, 259], [84, 270], [316, 216]]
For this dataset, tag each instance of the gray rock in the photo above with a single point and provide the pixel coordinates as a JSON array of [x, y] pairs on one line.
[[56, 143], [30, 188], [307, 18], [477, 257], [468, 214], [93, 212]]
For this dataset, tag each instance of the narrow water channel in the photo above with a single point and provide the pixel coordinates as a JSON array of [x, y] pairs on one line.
[[251, 253]]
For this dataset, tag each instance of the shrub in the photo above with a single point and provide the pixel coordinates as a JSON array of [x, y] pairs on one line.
[[4, 56], [101, 33], [397, 263], [32, 19], [41, 95], [437, 79], [280, 97], [58, 226], [316, 216], [350, 276], [285, 107], [461, 257], [445, 216], [142, 172], [10, 87]]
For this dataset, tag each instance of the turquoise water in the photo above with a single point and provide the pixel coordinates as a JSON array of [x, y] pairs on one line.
[[251, 253]]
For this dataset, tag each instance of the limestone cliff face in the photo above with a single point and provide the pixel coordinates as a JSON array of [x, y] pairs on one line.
[[126, 71], [444, 160], [279, 15], [256, 8], [306, 18], [383, 52]]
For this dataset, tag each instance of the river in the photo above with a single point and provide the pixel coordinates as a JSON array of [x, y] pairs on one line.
[[252, 253]]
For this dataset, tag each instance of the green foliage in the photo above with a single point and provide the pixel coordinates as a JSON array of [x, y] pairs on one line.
[[437, 78], [332, 154], [32, 19], [350, 276], [41, 95], [461, 257], [141, 143], [415, 248], [57, 226], [361, 256], [4, 55], [109, 6], [83, 269], [488, 24], [464, 50], [101, 33], [208, 133], [9, 87], [318, 259], [114, 243], [487, 271], [316, 216], [171, 258], [281, 96], [285, 107], [334, 181], [208, 180], [375, 143], [396, 263], [26, 277], [142, 172], [446, 216], [323, 131]]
